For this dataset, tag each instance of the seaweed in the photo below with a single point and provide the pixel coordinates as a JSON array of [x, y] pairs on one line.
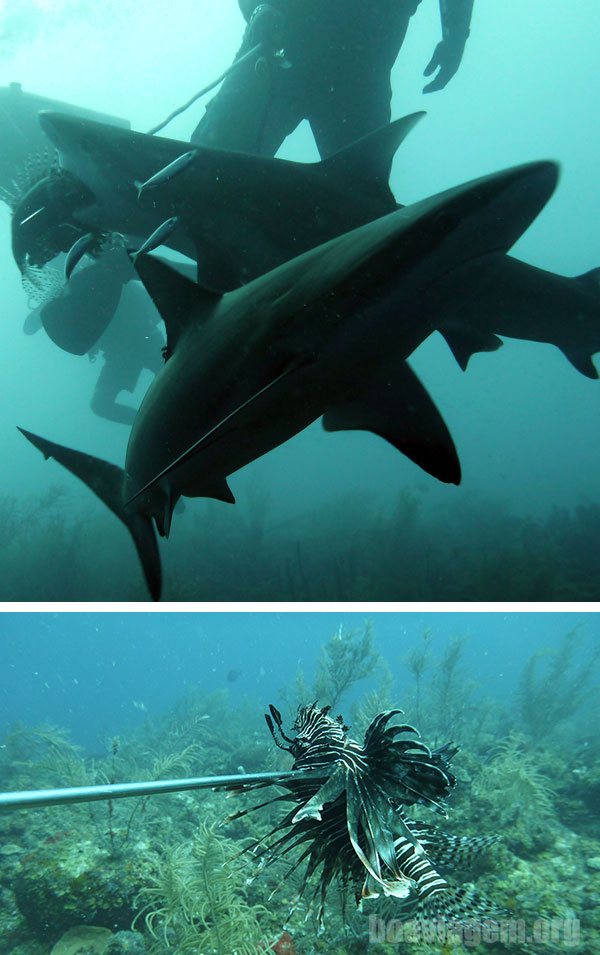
[[194, 903], [417, 661], [345, 660], [549, 693]]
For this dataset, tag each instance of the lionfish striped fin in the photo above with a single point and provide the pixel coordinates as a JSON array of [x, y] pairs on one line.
[[447, 849]]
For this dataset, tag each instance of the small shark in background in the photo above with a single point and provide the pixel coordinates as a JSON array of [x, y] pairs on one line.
[[325, 334], [241, 216]]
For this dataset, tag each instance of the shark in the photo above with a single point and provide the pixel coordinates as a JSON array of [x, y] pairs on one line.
[[242, 216], [326, 334]]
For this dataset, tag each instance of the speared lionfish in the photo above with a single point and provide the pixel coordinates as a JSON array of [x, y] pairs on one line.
[[348, 816]]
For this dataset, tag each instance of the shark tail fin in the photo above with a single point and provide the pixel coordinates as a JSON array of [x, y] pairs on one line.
[[106, 481]]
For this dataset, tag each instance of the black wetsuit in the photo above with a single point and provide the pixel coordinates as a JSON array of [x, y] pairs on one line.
[[340, 55]]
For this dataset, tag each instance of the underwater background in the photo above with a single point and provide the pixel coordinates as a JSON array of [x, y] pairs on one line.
[[332, 516], [90, 698]]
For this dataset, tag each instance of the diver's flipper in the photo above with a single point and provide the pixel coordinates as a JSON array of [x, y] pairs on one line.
[[394, 404], [77, 318], [106, 481], [464, 341]]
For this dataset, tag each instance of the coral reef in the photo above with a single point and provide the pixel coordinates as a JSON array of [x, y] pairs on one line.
[[83, 938], [348, 549]]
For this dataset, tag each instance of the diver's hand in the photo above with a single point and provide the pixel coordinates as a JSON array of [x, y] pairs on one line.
[[446, 57], [265, 26]]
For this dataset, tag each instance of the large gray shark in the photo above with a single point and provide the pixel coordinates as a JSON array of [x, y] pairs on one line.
[[327, 333], [244, 215], [240, 215]]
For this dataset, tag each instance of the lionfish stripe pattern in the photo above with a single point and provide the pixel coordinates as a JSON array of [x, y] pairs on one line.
[[347, 818]]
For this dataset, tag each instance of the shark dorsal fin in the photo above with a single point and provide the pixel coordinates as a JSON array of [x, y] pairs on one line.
[[177, 298], [369, 160]]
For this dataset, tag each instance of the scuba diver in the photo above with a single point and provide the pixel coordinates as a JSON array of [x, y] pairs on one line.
[[103, 312], [327, 62]]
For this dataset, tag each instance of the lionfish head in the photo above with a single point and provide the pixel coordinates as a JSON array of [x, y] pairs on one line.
[[316, 733]]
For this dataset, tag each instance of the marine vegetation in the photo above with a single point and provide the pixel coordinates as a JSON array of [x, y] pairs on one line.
[[196, 902], [408, 827], [465, 551], [553, 686]]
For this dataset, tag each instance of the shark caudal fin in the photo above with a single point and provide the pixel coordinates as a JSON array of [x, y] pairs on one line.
[[106, 481]]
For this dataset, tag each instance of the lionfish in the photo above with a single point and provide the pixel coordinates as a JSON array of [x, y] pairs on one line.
[[348, 817]]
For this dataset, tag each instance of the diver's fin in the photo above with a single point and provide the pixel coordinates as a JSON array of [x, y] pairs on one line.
[[106, 481], [464, 341], [177, 298], [369, 159], [77, 318], [394, 404]]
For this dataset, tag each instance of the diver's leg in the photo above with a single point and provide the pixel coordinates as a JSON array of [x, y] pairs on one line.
[[350, 96], [104, 400], [253, 112], [233, 115], [347, 110]]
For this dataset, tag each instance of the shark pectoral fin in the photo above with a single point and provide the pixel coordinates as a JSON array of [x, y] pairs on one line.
[[369, 160], [106, 481], [395, 405], [464, 341], [177, 298]]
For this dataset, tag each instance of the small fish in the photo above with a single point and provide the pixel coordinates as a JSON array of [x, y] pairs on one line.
[[158, 237], [167, 173], [233, 675], [77, 251], [138, 705]]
